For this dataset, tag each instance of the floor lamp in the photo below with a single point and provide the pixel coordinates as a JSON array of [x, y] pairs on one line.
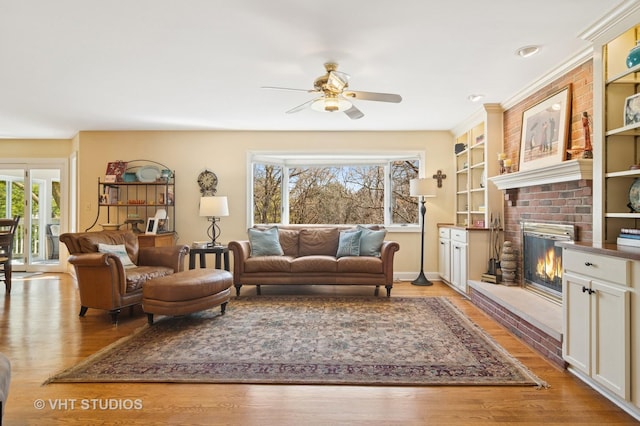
[[214, 207], [423, 188]]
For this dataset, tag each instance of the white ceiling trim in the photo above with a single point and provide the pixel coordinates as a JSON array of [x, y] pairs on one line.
[[556, 73], [613, 18]]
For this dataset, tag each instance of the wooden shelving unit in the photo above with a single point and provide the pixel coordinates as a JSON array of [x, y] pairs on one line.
[[476, 197]]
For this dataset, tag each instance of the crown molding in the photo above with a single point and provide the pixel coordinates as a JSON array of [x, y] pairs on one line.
[[475, 118], [613, 18], [577, 60], [610, 20]]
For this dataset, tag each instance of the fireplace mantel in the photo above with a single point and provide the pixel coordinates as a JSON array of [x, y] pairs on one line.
[[565, 171]]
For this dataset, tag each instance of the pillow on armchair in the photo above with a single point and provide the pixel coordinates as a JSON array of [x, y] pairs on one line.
[[88, 242], [118, 250]]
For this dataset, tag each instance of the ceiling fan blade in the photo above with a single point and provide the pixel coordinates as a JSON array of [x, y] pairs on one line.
[[373, 96], [289, 88], [354, 113], [301, 106]]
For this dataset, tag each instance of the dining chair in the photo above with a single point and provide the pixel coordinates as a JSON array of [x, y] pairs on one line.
[[7, 233]]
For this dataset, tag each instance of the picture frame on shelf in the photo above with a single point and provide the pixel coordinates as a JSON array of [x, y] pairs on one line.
[[115, 170], [545, 130], [632, 110], [163, 225], [152, 226]]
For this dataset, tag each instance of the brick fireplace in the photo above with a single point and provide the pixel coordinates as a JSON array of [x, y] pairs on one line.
[[565, 203], [532, 197], [542, 261], [560, 194]]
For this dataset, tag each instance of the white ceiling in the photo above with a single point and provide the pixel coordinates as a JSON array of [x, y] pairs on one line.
[[71, 65]]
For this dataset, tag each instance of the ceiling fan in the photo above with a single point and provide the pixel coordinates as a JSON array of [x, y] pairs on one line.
[[335, 96]]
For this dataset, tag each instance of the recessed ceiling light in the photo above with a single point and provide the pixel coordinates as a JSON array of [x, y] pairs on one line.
[[527, 51], [475, 98]]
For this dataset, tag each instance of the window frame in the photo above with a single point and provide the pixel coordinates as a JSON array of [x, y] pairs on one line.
[[290, 159]]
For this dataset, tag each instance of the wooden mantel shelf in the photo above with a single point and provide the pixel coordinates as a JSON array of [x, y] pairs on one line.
[[565, 171]]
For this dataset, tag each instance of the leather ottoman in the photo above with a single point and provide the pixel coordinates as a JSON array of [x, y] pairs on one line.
[[186, 292]]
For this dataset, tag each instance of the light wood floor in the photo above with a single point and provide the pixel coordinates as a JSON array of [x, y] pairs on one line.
[[41, 333]]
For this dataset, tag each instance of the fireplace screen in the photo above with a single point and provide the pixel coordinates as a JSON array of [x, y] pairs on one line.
[[542, 260]]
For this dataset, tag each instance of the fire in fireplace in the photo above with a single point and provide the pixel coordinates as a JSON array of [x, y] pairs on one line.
[[542, 260]]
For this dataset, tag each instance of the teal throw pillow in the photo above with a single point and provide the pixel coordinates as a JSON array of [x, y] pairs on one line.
[[349, 243], [371, 241], [265, 242], [118, 250]]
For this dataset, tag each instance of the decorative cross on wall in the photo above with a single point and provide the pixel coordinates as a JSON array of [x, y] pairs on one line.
[[440, 177]]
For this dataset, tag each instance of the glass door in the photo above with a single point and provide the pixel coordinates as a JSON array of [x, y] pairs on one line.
[[44, 214], [12, 203], [34, 191]]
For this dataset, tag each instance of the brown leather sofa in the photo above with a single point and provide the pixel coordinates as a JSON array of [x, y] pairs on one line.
[[309, 257], [104, 282]]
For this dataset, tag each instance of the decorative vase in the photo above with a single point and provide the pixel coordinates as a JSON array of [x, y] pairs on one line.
[[634, 196], [633, 58], [508, 263]]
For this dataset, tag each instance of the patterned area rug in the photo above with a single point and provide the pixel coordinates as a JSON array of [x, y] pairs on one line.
[[310, 340]]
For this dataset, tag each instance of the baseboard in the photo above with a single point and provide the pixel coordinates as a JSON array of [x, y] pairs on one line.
[[410, 276], [628, 407]]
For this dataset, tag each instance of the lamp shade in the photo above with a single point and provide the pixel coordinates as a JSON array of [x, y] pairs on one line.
[[422, 187], [331, 104], [215, 206]]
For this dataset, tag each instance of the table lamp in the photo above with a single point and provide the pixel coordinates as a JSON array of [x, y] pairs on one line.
[[214, 207], [423, 188]]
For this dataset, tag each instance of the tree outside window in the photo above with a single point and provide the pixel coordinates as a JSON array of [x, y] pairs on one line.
[[341, 193]]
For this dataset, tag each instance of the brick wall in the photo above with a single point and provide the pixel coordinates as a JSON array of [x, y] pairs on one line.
[[564, 202], [546, 345]]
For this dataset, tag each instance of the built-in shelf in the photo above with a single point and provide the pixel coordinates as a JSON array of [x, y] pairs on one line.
[[564, 171]]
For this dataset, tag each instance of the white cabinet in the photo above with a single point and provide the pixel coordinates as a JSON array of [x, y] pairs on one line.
[[444, 254], [596, 315], [463, 255], [459, 260]]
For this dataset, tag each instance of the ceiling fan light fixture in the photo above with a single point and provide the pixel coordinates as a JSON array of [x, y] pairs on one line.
[[331, 104], [335, 83], [528, 51]]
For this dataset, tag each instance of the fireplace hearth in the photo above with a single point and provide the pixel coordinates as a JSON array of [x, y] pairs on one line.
[[542, 260]]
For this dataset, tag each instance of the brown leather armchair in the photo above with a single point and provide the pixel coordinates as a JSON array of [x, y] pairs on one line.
[[104, 282]]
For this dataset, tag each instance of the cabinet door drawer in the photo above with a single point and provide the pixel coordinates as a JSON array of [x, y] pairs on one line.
[[445, 232], [459, 235], [607, 268]]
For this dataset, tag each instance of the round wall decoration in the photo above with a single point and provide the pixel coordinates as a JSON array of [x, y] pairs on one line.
[[208, 182]]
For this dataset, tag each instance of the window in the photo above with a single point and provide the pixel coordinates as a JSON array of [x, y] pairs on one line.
[[334, 189]]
